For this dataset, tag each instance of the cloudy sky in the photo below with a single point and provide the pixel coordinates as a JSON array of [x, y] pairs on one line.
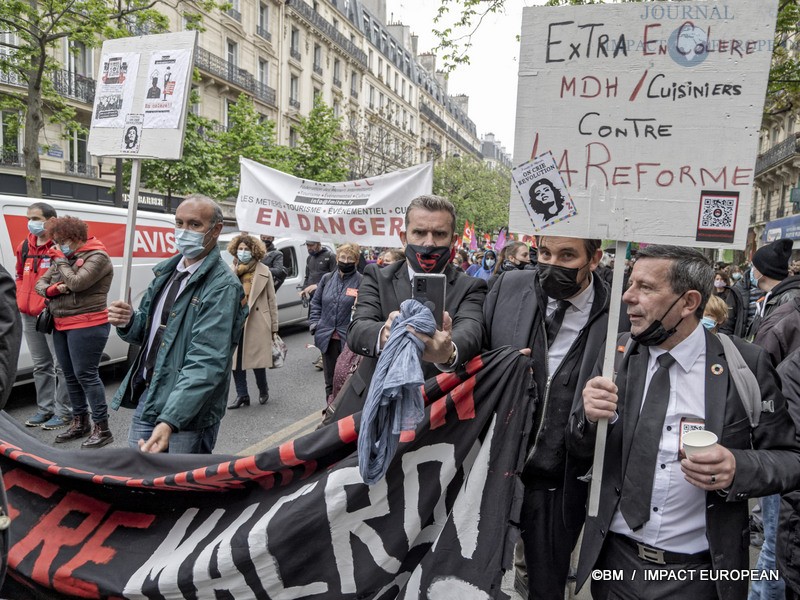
[[490, 80]]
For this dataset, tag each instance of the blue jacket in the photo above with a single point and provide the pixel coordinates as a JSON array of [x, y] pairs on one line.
[[189, 387], [331, 307]]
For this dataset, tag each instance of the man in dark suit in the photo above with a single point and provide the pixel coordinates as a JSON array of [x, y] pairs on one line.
[[659, 511], [559, 312], [429, 240]]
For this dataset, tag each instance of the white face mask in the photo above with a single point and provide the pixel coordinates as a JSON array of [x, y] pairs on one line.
[[244, 256], [190, 243]]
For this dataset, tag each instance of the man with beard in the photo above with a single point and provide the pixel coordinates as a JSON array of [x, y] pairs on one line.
[[429, 240], [273, 260], [546, 199], [560, 314]]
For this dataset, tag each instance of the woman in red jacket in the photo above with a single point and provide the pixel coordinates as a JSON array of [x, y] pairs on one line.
[[76, 285]]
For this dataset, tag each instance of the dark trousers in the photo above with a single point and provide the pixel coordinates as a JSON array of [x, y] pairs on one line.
[[621, 557], [548, 543], [240, 381], [329, 358], [79, 352]]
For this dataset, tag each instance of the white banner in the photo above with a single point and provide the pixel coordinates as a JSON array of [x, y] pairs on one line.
[[370, 212], [652, 112]]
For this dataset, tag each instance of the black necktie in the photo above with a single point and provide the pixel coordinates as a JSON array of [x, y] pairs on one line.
[[552, 323], [169, 300], [637, 486]]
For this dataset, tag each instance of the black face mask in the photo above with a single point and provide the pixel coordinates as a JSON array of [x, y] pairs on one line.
[[559, 282], [346, 268], [656, 334], [510, 266], [427, 259]]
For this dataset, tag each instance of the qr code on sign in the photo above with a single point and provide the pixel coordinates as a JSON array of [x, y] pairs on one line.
[[718, 213]]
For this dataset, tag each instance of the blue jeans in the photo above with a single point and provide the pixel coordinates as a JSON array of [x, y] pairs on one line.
[[763, 589], [201, 441], [240, 380], [79, 352], [48, 377]]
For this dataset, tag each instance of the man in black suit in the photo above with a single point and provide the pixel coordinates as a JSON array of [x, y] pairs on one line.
[[559, 312], [429, 240], [660, 511]]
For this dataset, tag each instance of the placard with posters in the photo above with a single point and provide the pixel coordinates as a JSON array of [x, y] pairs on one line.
[[368, 211], [114, 94], [166, 88], [651, 110], [542, 190]]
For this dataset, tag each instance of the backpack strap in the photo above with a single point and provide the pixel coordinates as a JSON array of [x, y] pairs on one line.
[[744, 380]]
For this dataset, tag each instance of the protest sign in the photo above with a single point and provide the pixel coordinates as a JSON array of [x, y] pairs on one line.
[[652, 112], [296, 521], [368, 211], [545, 196]]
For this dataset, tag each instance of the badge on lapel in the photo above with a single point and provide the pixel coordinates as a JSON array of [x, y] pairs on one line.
[[717, 369]]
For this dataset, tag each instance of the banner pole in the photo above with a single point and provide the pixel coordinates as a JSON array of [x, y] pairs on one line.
[[130, 231], [608, 371]]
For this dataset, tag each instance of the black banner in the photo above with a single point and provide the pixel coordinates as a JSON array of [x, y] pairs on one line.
[[293, 522]]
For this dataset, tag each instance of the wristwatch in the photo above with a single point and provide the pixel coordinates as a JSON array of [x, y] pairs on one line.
[[453, 355]]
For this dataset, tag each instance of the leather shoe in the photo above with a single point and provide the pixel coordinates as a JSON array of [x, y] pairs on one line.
[[239, 402], [263, 398]]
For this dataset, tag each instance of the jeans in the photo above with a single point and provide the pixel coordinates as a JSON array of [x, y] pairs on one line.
[[329, 358], [201, 441], [763, 589], [240, 380], [79, 351], [48, 377]]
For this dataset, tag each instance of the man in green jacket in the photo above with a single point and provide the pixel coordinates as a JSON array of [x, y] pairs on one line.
[[187, 325]]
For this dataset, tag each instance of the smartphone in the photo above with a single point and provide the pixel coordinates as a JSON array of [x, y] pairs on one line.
[[429, 289]]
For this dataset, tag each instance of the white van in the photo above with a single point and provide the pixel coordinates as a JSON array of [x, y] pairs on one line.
[[295, 254], [155, 241]]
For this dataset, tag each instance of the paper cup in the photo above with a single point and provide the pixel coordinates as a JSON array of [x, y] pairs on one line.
[[698, 440]]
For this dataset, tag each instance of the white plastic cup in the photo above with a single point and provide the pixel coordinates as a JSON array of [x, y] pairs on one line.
[[698, 440]]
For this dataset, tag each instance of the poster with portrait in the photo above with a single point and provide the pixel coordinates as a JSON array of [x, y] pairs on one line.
[[166, 88], [132, 134], [543, 192], [114, 94]]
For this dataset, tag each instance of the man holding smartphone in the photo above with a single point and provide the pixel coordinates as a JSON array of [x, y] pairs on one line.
[[558, 314], [429, 240]]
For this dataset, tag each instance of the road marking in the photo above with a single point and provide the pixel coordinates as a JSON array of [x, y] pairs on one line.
[[295, 430]]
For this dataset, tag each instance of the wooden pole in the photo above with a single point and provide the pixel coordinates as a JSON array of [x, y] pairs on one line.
[[130, 231]]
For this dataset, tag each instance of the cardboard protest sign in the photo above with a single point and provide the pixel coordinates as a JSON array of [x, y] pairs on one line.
[[368, 211], [652, 112], [542, 191]]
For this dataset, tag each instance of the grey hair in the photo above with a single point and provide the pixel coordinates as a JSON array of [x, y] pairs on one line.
[[217, 217], [433, 203], [690, 270]]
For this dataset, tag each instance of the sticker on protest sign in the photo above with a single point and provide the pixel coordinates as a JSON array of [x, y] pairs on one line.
[[543, 191], [716, 221]]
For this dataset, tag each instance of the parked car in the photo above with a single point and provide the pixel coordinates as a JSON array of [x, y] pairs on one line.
[[154, 241]]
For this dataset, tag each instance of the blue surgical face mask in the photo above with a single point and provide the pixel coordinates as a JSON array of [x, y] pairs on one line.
[[36, 227], [736, 276], [244, 256], [708, 322], [190, 243], [65, 249], [753, 280]]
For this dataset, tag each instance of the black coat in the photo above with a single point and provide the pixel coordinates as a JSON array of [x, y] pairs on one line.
[[10, 335], [787, 546], [767, 457], [381, 292]]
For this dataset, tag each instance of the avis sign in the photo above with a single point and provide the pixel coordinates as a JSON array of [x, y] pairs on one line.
[[652, 113], [368, 211]]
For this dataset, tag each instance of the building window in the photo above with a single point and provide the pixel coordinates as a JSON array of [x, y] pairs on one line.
[[233, 53], [336, 24], [317, 58], [292, 137], [337, 109], [380, 66], [295, 40], [337, 73], [388, 74], [403, 88], [396, 82], [380, 100], [369, 62], [10, 129], [411, 124], [294, 84], [263, 71], [79, 60], [76, 143], [372, 96], [354, 83], [263, 21], [317, 94]]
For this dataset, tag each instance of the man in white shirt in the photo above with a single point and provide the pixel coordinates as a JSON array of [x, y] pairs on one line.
[[660, 511]]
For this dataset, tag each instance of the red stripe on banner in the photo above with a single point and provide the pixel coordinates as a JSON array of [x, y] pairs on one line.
[[288, 457], [267, 482], [438, 410], [475, 365], [464, 400], [447, 381], [28, 482], [407, 436], [287, 475], [347, 429], [246, 467], [311, 468]]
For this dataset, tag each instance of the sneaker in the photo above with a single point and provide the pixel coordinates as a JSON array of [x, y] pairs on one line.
[[57, 422], [318, 363], [38, 419]]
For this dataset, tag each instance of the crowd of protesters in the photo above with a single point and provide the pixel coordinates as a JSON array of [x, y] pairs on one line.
[[686, 326]]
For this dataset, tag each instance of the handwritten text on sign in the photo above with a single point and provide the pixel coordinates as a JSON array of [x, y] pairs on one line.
[[647, 108]]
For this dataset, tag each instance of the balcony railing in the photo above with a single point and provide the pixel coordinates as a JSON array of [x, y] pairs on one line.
[[263, 33], [80, 169], [295, 54], [329, 30], [219, 67], [234, 14], [11, 158], [777, 154], [294, 103], [337, 82], [72, 85], [318, 69], [427, 112]]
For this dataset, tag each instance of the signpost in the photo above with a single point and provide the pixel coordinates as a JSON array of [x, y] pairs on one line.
[[130, 121], [652, 113]]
